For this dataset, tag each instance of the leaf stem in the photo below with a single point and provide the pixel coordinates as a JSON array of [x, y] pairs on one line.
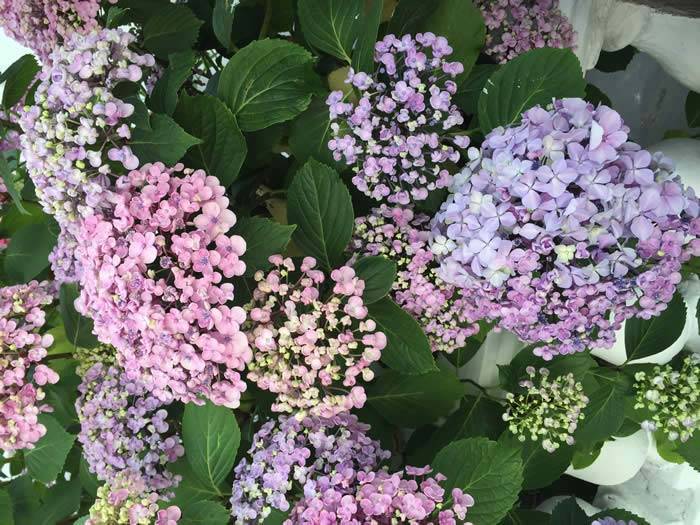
[[266, 21]]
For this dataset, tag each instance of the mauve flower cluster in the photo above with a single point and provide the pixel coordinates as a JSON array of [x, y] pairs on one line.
[[22, 348], [516, 26], [156, 282], [560, 229], [312, 338], [398, 142], [315, 454], [74, 137], [410, 496], [124, 430], [44, 24], [612, 521], [402, 236], [9, 136]]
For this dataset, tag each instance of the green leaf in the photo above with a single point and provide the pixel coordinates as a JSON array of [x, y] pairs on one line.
[[263, 237], [310, 133], [6, 516], [363, 55], [265, 83], [276, 517], [461, 356], [45, 461], [222, 149], [205, 513], [595, 96], [645, 337], [379, 274], [526, 517], [172, 29], [467, 98], [62, 396], [222, 21], [319, 204], [78, 328], [163, 99], [87, 479], [412, 401], [569, 513], [490, 472], [116, 16], [540, 468], [407, 348], [692, 109], [605, 412], [530, 79], [165, 141], [211, 437], [690, 451], [62, 500], [331, 25], [6, 174], [27, 255], [619, 514], [18, 77]]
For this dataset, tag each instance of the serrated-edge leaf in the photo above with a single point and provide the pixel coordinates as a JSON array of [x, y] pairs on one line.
[[568, 512], [604, 413], [222, 20], [165, 141], [330, 25], [17, 78], [378, 274], [173, 28], [363, 55], [263, 237], [205, 513], [163, 98], [78, 329], [45, 461], [645, 337]]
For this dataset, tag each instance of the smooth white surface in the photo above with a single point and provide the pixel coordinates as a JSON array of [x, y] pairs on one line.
[[9, 52]]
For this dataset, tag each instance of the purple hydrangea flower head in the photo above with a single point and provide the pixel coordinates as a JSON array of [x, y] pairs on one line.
[[516, 26], [560, 229], [612, 521], [395, 136]]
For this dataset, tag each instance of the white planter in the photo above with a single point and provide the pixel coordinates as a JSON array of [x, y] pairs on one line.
[[498, 349]]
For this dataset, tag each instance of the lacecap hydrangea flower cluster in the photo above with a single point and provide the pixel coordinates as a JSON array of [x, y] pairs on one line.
[[74, 137], [549, 410], [560, 228], [612, 521], [23, 346], [129, 502], [401, 235], [516, 26], [156, 273], [398, 142], [672, 397], [312, 338]]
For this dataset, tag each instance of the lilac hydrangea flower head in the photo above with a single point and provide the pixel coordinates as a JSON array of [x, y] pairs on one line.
[[559, 228], [612, 521], [314, 454], [155, 281], [402, 236], [397, 141], [311, 346], [516, 26]]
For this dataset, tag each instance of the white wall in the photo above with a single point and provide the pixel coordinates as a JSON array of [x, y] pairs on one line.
[[9, 52]]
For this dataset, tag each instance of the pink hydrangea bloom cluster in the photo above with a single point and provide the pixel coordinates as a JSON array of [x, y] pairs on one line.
[[398, 141], [74, 137], [313, 454], [124, 429], [408, 496], [402, 236], [560, 228], [312, 338], [9, 136], [516, 26], [156, 283], [44, 24], [22, 348]]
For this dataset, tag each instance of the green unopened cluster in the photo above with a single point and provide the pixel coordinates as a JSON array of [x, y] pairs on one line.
[[548, 411], [672, 397]]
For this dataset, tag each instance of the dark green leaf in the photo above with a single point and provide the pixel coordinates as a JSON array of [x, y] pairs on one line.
[[28, 252], [605, 412], [645, 337], [6, 515], [531, 79], [13, 219], [412, 401], [595, 96], [276, 517], [569, 513], [78, 328], [363, 55], [331, 25], [409, 16], [87, 479], [467, 98], [222, 149], [205, 513], [611, 61], [690, 451], [311, 132], [489, 472], [173, 29], [379, 274], [619, 514], [62, 500], [461, 356], [18, 77], [116, 16], [265, 83], [63, 394], [263, 237], [6, 174], [45, 461], [163, 99], [540, 468], [211, 437], [407, 349], [319, 204], [222, 20], [164, 142], [692, 109], [25, 499], [526, 517]]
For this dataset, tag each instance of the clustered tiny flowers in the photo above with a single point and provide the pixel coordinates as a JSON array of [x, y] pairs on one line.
[[671, 397], [559, 229], [74, 137], [516, 26], [155, 283], [398, 142], [548, 410], [402, 236], [23, 346], [312, 338], [612, 521]]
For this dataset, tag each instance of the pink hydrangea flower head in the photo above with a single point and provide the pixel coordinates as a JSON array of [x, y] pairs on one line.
[[559, 228], [311, 344], [395, 136], [156, 282]]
